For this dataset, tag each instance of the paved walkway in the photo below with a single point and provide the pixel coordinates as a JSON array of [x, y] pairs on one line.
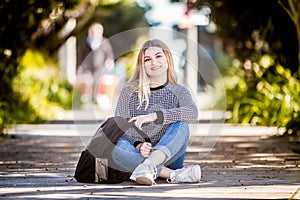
[[38, 162]]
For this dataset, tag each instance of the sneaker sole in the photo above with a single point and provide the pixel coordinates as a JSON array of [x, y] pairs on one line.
[[144, 181]]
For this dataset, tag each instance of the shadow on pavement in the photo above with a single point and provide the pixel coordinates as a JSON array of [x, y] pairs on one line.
[[237, 167]]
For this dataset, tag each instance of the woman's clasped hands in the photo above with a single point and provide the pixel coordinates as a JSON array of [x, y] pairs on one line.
[[145, 149]]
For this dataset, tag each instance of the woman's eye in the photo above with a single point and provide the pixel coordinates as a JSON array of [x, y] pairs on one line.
[[159, 56], [147, 60]]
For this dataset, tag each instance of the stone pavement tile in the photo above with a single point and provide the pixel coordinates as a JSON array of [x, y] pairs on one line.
[[233, 167]]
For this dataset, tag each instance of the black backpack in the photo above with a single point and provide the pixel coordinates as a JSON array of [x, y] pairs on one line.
[[95, 164]]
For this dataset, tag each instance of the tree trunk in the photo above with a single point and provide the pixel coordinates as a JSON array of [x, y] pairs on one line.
[[293, 12]]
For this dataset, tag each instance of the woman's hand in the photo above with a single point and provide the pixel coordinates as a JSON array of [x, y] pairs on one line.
[[145, 149], [143, 119]]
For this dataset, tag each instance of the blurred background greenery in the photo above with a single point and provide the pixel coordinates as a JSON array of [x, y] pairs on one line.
[[33, 88], [259, 62], [260, 67]]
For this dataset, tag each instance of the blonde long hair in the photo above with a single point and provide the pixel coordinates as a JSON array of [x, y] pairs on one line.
[[140, 76]]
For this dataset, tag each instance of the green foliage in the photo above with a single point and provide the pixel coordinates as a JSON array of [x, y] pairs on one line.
[[270, 25], [21, 26], [263, 94], [39, 25], [40, 84], [14, 110]]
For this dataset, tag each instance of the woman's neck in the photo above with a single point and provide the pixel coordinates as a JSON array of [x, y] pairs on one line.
[[156, 82]]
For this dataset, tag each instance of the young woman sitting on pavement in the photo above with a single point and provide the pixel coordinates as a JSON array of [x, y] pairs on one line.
[[158, 105]]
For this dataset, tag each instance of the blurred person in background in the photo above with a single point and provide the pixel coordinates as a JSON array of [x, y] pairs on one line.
[[95, 58]]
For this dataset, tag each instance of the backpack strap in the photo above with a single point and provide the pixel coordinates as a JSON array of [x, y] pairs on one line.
[[142, 133], [139, 131]]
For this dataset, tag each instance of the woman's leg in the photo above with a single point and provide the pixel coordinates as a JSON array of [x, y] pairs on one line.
[[165, 172], [126, 156], [172, 146], [174, 143]]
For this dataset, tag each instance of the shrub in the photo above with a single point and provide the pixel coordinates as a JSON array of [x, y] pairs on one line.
[[263, 93], [40, 84]]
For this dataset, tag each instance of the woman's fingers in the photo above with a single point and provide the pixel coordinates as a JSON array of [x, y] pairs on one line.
[[140, 120], [145, 149], [138, 124], [148, 146], [145, 154], [132, 119]]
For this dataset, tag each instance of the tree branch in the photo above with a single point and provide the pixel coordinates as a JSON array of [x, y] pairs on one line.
[[293, 17]]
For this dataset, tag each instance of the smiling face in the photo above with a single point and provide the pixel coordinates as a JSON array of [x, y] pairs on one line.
[[156, 63], [154, 68], [145, 60]]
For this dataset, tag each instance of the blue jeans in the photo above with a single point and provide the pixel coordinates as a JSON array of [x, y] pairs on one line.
[[173, 143]]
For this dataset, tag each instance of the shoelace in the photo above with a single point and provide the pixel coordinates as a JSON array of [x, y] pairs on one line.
[[155, 173], [153, 170], [181, 176]]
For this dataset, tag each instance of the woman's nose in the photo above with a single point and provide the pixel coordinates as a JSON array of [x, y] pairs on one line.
[[154, 61]]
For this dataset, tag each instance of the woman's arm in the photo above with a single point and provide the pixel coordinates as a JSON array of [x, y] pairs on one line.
[[187, 110]]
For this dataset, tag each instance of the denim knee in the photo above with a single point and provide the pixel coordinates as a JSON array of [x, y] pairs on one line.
[[175, 140]]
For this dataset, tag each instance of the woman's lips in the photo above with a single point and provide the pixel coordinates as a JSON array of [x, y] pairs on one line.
[[155, 68]]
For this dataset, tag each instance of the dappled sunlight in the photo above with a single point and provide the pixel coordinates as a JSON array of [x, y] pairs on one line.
[[40, 167], [35, 156], [246, 145], [246, 161], [174, 191]]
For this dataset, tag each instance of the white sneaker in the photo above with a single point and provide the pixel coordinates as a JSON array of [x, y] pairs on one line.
[[144, 174], [188, 174]]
